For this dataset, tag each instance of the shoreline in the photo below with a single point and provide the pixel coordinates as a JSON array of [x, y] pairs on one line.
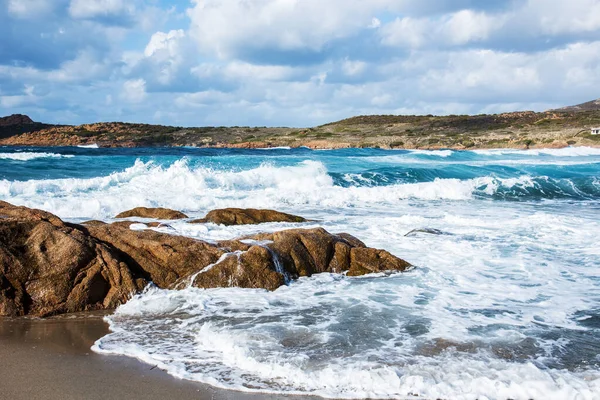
[[314, 147], [52, 359]]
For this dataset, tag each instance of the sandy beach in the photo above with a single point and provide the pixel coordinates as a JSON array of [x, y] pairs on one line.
[[51, 359]]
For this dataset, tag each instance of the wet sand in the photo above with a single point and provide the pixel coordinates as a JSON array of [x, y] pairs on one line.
[[51, 359]]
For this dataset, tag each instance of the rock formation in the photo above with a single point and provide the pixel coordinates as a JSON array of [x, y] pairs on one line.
[[48, 266], [156, 213], [245, 216]]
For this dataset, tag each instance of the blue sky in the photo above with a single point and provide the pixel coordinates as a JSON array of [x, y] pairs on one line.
[[292, 62]]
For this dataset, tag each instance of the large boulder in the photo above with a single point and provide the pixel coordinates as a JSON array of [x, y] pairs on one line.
[[48, 266], [246, 216], [159, 257], [304, 252], [156, 213]]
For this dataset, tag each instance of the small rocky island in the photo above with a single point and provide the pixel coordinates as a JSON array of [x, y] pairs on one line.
[[49, 266]]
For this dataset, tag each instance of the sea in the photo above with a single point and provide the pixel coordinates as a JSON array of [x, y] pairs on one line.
[[503, 301]]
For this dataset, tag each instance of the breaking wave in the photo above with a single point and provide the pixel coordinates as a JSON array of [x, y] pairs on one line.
[[26, 156], [308, 183]]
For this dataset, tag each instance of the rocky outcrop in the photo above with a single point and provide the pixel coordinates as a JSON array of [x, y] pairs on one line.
[[160, 258], [48, 266], [246, 216], [156, 213], [304, 252], [16, 119], [17, 124]]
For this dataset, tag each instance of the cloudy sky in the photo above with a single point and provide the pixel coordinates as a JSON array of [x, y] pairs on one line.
[[292, 62]]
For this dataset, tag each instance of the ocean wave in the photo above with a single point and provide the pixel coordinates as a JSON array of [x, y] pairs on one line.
[[88, 146], [275, 148], [26, 156], [275, 342], [436, 153], [564, 152], [308, 183]]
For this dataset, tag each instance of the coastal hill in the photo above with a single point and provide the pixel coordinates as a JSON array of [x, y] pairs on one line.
[[553, 128], [593, 105], [17, 123]]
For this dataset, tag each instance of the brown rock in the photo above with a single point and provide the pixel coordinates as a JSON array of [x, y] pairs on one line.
[[367, 260], [157, 213], [159, 257], [253, 268], [49, 267], [304, 252], [93, 222], [244, 216]]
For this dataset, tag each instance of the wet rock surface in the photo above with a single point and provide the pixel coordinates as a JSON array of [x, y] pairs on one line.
[[156, 213], [48, 266], [246, 216]]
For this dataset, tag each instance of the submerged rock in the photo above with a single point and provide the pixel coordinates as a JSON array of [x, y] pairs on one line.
[[430, 231], [157, 213], [246, 216], [48, 266]]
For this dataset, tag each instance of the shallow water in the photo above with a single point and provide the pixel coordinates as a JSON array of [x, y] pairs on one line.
[[504, 304]]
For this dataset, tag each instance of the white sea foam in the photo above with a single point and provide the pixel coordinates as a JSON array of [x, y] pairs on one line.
[[437, 153], [564, 152], [200, 189], [26, 156], [88, 146], [275, 148], [476, 319]]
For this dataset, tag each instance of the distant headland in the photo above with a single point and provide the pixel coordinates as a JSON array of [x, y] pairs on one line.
[[568, 126]]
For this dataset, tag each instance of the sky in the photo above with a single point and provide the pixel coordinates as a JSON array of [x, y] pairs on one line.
[[292, 62]]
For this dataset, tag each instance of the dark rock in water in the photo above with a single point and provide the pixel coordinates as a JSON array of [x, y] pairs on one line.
[[367, 260], [430, 231], [304, 252], [157, 213], [253, 268], [48, 266], [246, 216]]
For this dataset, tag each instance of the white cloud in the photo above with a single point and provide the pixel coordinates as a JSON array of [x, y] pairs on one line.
[[557, 16], [165, 45], [30, 8], [458, 28], [225, 27], [352, 68], [134, 90], [468, 26], [87, 9], [294, 62]]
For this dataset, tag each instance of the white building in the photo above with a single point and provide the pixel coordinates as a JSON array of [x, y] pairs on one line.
[[595, 131]]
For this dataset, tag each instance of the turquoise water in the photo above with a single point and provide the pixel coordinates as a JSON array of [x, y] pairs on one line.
[[505, 304]]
